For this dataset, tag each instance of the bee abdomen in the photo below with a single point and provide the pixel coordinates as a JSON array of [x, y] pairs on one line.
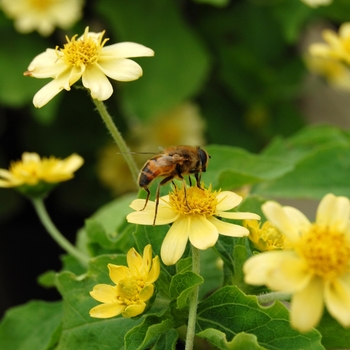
[[147, 175]]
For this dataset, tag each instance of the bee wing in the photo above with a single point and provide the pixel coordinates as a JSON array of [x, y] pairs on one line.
[[165, 161]]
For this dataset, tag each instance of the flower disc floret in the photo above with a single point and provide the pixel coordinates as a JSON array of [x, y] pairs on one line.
[[195, 216], [316, 270], [88, 58]]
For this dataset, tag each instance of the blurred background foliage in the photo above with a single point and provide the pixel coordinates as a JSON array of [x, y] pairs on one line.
[[224, 72]]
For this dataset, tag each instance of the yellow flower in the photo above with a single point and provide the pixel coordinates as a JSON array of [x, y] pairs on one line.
[[193, 218], [334, 71], [133, 286], [265, 237], [316, 3], [88, 58], [42, 15], [33, 173], [316, 270], [337, 47]]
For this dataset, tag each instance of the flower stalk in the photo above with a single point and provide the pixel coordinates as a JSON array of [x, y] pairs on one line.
[[191, 326], [117, 137], [273, 296], [56, 234]]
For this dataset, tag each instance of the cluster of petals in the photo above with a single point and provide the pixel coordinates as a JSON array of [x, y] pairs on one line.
[[86, 58], [201, 226], [42, 16], [133, 286], [336, 46], [316, 270], [32, 169]]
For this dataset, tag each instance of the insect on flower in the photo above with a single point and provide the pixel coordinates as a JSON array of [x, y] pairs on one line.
[[173, 162]]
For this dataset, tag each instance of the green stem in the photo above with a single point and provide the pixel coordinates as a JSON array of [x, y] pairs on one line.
[[271, 297], [117, 138], [191, 327], [56, 235]]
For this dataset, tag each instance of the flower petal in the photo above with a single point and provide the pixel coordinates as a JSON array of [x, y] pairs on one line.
[[104, 293], [95, 80], [203, 234], [175, 241], [155, 270], [46, 65], [227, 200], [146, 292], [126, 49], [72, 163], [134, 310], [121, 69], [337, 300], [118, 272], [258, 268], [107, 310], [238, 215], [307, 306], [135, 261], [228, 229], [334, 212], [49, 91], [165, 214], [274, 212]]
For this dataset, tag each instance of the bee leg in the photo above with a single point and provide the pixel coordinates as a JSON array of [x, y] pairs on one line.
[[190, 180], [147, 198], [163, 182], [198, 179]]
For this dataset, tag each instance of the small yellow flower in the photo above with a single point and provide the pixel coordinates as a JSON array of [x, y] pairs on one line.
[[334, 71], [316, 3], [42, 15], [316, 270], [193, 218], [88, 58], [265, 237], [133, 286], [337, 46], [35, 175]]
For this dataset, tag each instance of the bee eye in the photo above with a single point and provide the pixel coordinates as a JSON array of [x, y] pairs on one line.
[[203, 156]]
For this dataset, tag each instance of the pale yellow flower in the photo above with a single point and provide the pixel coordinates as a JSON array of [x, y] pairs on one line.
[[42, 15], [133, 286], [337, 46], [316, 3], [316, 270], [89, 59], [265, 237], [31, 170], [194, 218], [334, 71]]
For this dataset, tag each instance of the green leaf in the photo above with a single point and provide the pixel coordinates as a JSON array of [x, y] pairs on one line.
[[322, 171], [147, 333], [334, 336], [217, 3], [182, 285], [240, 341], [230, 311], [17, 90], [35, 325], [180, 64], [167, 340], [231, 167]]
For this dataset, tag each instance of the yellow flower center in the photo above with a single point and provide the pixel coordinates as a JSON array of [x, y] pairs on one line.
[[193, 200], [346, 45], [326, 251], [41, 5], [129, 290], [82, 52]]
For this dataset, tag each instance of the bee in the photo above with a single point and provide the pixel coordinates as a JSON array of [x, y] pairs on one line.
[[173, 162]]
